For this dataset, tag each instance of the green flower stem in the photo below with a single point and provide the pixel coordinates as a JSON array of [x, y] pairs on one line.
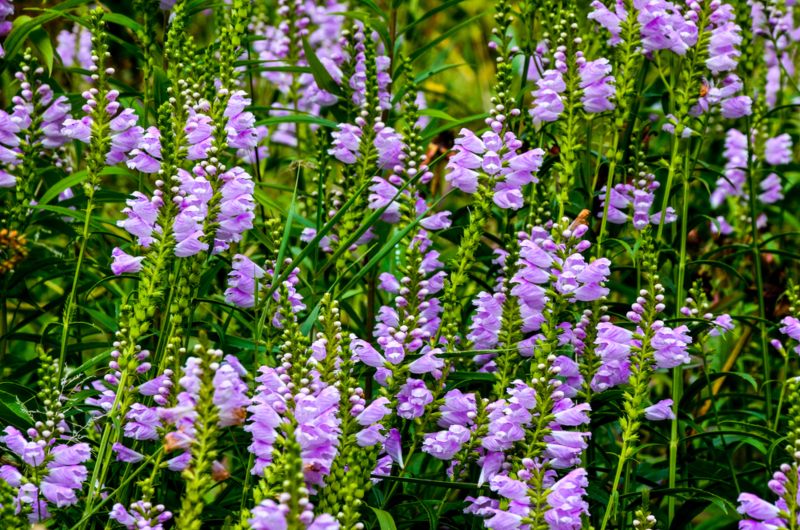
[[451, 302], [628, 62], [198, 474], [759, 277]]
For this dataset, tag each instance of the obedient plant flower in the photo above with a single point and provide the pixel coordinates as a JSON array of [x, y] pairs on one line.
[[493, 160], [665, 27], [6, 10], [634, 201], [140, 514], [547, 101], [735, 168], [660, 411], [778, 150], [125, 263], [597, 85], [75, 47], [725, 37], [142, 215], [608, 19], [56, 470], [566, 501], [146, 157]]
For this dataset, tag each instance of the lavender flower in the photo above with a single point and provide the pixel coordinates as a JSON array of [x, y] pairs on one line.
[[597, 86], [566, 502], [496, 158], [142, 214], [771, 189], [725, 37], [412, 399], [346, 143], [140, 514], [613, 348], [125, 263], [146, 157], [75, 47], [547, 102], [670, 345], [610, 20], [243, 282], [778, 150], [660, 411], [664, 27]]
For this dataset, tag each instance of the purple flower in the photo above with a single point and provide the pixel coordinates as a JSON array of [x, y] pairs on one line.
[[235, 208], [547, 102], [230, 392], [445, 444], [737, 107], [317, 432], [125, 136], [670, 346], [437, 221], [268, 516], [660, 411], [125, 263], [663, 27], [142, 215], [75, 47], [374, 412], [597, 85], [756, 507], [140, 515], [389, 145], [610, 20], [496, 158], [565, 447], [365, 353], [566, 502], [486, 321], [771, 189], [428, 363], [503, 520], [412, 399], [141, 423], [722, 53], [199, 130], [721, 325], [732, 184], [146, 157], [346, 143], [613, 348], [240, 127], [61, 482], [458, 409], [124, 454], [31, 453], [778, 150], [243, 282]]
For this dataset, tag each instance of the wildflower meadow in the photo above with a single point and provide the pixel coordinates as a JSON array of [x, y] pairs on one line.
[[399, 264]]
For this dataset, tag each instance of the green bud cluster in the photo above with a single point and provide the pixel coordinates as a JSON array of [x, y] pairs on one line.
[[204, 448]]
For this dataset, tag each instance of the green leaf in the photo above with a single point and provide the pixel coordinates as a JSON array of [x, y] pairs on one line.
[[318, 70], [297, 118], [429, 133], [436, 113], [430, 13], [41, 40], [122, 20], [61, 185], [419, 52], [385, 519], [11, 405]]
